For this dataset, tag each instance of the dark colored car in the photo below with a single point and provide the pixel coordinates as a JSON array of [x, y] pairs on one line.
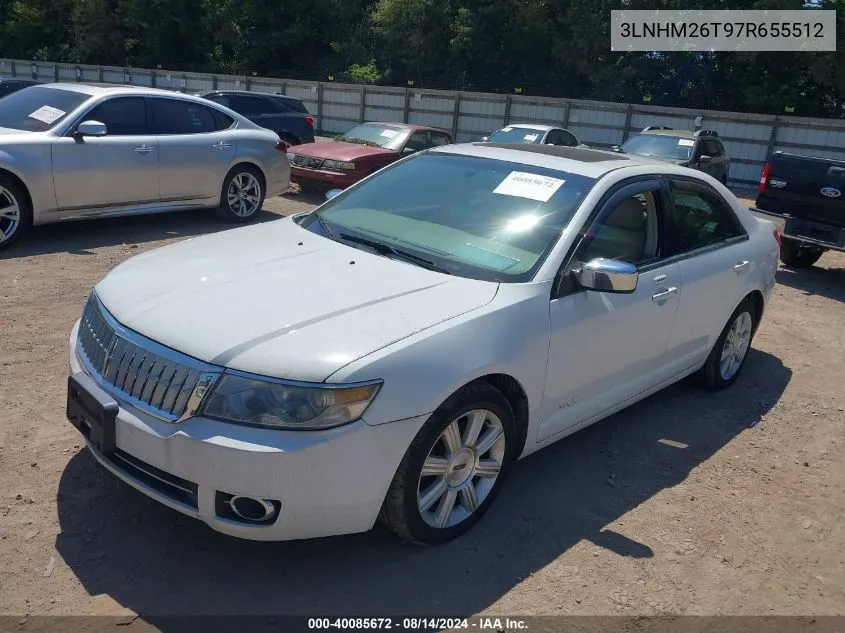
[[9, 85], [805, 198], [701, 150], [358, 153], [286, 116]]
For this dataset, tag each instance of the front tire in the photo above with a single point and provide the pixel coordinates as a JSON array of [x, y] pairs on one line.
[[15, 212], [242, 194], [727, 358], [453, 469], [793, 254]]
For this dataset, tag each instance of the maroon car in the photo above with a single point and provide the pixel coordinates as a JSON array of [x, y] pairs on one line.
[[358, 153]]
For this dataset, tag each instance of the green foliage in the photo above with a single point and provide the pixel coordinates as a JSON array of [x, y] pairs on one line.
[[363, 74], [544, 47]]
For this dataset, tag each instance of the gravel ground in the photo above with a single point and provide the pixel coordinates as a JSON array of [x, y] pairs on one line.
[[687, 503]]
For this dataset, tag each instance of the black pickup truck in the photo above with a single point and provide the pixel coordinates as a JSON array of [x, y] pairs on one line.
[[805, 198]]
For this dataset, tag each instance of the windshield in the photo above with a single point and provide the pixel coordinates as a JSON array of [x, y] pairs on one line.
[[385, 136], [474, 217], [514, 134], [37, 109], [660, 145]]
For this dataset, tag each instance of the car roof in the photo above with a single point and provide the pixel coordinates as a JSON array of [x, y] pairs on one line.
[[407, 126], [97, 89], [592, 163], [679, 133], [534, 126], [248, 93]]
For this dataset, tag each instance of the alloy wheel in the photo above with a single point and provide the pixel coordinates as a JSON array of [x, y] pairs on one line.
[[461, 468], [10, 215], [736, 346], [244, 194]]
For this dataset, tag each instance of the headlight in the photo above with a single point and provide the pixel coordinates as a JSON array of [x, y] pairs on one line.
[[275, 404], [338, 164]]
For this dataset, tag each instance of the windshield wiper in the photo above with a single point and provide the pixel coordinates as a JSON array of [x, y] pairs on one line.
[[386, 249], [323, 224]]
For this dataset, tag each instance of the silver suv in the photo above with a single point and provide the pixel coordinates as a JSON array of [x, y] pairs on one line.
[[701, 150]]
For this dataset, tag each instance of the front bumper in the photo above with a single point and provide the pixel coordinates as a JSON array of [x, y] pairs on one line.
[[326, 482], [302, 175]]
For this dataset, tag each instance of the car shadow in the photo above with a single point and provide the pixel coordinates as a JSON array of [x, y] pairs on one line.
[[315, 196], [824, 282], [158, 563], [79, 238]]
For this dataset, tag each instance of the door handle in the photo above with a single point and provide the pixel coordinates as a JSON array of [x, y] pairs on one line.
[[144, 149], [741, 265], [220, 145], [660, 279], [662, 296]]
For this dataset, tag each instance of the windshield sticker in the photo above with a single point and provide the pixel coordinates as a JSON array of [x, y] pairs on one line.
[[531, 137], [685, 142], [47, 114], [507, 129], [531, 186], [388, 133]]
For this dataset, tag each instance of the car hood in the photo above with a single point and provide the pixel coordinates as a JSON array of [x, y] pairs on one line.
[[8, 131], [278, 300], [338, 150]]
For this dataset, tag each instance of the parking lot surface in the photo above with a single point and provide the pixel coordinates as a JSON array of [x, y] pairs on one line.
[[687, 503]]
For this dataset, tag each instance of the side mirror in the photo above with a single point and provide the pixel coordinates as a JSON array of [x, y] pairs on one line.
[[90, 128], [608, 275], [615, 148], [484, 139], [331, 193], [704, 158], [409, 150]]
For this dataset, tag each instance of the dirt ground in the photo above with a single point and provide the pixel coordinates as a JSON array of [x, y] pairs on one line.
[[687, 503]]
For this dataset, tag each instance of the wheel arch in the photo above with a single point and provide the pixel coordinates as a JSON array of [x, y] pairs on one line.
[[241, 162], [759, 303], [514, 393], [20, 183]]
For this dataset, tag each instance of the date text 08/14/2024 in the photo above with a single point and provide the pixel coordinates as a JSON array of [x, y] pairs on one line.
[[418, 623]]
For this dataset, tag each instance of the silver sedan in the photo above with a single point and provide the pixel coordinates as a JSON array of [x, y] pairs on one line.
[[73, 151]]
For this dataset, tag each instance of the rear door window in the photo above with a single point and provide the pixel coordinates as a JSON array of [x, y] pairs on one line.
[[250, 106], [699, 218], [290, 103], [438, 138], [175, 116]]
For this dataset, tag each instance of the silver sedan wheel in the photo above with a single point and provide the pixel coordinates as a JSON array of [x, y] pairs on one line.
[[244, 194], [461, 468], [10, 215], [736, 346]]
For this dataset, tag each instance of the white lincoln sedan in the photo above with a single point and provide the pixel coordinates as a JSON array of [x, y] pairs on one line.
[[393, 353]]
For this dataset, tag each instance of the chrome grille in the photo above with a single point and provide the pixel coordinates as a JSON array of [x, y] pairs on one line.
[[135, 369], [307, 161]]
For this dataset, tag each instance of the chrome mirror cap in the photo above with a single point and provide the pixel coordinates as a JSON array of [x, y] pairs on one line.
[[91, 128], [608, 275]]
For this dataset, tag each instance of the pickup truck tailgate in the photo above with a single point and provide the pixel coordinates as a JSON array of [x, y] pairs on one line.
[[805, 187]]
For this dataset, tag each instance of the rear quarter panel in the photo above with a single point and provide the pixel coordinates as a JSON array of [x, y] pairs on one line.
[[258, 147]]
